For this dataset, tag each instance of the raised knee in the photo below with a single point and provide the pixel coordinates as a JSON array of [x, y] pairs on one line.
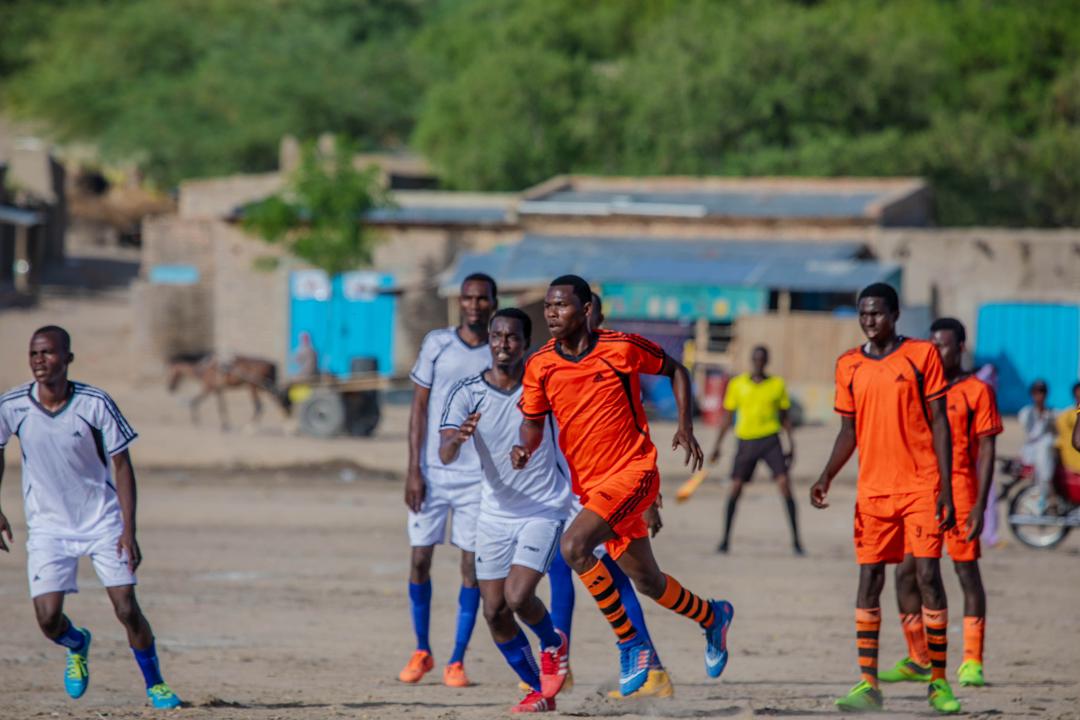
[[50, 620], [493, 611], [575, 550]]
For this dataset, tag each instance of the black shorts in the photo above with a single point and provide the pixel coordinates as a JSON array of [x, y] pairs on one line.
[[749, 452]]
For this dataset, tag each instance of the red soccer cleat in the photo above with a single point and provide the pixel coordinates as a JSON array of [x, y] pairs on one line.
[[554, 665], [534, 702]]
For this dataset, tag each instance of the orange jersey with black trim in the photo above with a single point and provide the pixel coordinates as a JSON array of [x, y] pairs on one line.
[[596, 400], [889, 398], [973, 415]]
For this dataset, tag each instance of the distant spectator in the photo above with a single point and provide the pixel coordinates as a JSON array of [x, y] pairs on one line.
[[1037, 421], [1066, 427], [305, 359]]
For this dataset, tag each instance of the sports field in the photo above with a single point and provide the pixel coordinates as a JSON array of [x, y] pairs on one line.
[[281, 595]]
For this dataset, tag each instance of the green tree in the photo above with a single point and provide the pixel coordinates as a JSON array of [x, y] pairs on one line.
[[319, 217]]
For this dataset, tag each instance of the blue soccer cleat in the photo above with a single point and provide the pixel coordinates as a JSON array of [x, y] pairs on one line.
[[77, 672], [634, 657], [716, 652], [162, 697]]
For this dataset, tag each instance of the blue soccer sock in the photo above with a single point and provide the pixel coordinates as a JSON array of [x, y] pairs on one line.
[[148, 663], [420, 599], [562, 594], [518, 654], [73, 638], [545, 631], [468, 604], [630, 600]]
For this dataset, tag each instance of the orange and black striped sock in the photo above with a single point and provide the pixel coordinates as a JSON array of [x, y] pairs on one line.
[[936, 621], [676, 597], [915, 634], [598, 582], [974, 633], [867, 630]]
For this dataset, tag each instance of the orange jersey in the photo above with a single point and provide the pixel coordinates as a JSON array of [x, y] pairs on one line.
[[973, 415], [889, 398], [596, 400]]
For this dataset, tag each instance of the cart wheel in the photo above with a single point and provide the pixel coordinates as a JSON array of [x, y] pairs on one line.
[[323, 414], [362, 413]]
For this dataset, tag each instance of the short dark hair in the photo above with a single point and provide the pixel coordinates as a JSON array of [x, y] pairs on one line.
[[1039, 386], [948, 323], [65, 338], [1076, 386], [597, 300], [520, 316], [581, 288], [482, 277], [884, 291], [760, 348]]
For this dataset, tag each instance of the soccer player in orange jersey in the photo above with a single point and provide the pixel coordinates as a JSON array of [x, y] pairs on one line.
[[975, 422], [890, 394], [590, 381]]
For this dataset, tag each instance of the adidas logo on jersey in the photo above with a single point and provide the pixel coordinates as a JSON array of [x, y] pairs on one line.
[[598, 377], [76, 434], [901, 378]]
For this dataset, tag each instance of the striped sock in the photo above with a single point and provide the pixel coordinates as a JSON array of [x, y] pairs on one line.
[[677, 598], [974, 634], [598, 582], [936, 622], [867, 629], [915, 634]]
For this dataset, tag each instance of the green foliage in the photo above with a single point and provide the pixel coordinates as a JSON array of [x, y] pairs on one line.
[[318, 218], [981, 97]]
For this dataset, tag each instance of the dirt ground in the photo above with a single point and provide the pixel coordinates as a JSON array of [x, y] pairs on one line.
[[275, 580]]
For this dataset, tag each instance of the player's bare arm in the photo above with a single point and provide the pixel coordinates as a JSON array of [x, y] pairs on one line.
[[939, 424], [532, 434], [5, 528], [843, 448], [415, 487], [127, 496], [984, 469], [451, 439], [684, 435]]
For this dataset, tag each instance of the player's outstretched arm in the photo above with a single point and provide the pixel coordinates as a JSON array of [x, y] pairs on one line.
[[939, 424], [531, 435], [5, 528], [415, 488], [451, 439], [843, 447], [684, 436], [124, 474]]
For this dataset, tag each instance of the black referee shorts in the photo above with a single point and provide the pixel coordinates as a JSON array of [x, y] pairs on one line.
[[749, 452]]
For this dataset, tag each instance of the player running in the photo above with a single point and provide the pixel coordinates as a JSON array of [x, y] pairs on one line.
[[890, 394], [658, 682], [521, 513], [433, 490], [760, 405], [590, 382], [75, 507], [974, 420]]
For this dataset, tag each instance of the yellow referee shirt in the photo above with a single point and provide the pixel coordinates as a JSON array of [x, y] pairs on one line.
[[756, 406]]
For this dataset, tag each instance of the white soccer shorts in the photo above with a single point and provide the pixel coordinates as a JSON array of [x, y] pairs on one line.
[[428, 527], [500, 543], [52, 564]]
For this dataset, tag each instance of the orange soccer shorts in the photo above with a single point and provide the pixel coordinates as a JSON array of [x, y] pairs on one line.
[[888, 526], [622, 499], [956, 543]]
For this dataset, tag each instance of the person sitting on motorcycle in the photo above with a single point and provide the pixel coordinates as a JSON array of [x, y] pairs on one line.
[[1068, 436], [1037, 421]]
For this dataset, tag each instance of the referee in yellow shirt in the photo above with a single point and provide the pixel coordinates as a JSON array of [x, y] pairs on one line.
[[757, 404]]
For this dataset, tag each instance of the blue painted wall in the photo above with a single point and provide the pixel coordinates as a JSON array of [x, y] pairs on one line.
[[1028, 341]]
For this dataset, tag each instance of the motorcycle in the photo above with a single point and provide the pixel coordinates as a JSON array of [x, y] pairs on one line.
[[1035, 522]]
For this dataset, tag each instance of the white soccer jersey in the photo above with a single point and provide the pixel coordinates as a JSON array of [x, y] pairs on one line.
[[444, 360], [542, 488], [66, 478]]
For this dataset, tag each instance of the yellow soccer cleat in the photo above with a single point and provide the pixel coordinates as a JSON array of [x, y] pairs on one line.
[[657, 685]]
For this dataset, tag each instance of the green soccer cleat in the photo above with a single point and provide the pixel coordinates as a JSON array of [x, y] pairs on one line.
[[864, 697], [970, 674], [77, 672], [162, 697], [906, 670], [941, 697]]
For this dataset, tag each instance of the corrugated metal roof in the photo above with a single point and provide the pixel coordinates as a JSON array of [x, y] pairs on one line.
[[780, 265], [10, 215], [436, 215], [751, 203]]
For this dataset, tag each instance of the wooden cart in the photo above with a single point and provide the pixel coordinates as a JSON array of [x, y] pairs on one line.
[[333, 406]]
